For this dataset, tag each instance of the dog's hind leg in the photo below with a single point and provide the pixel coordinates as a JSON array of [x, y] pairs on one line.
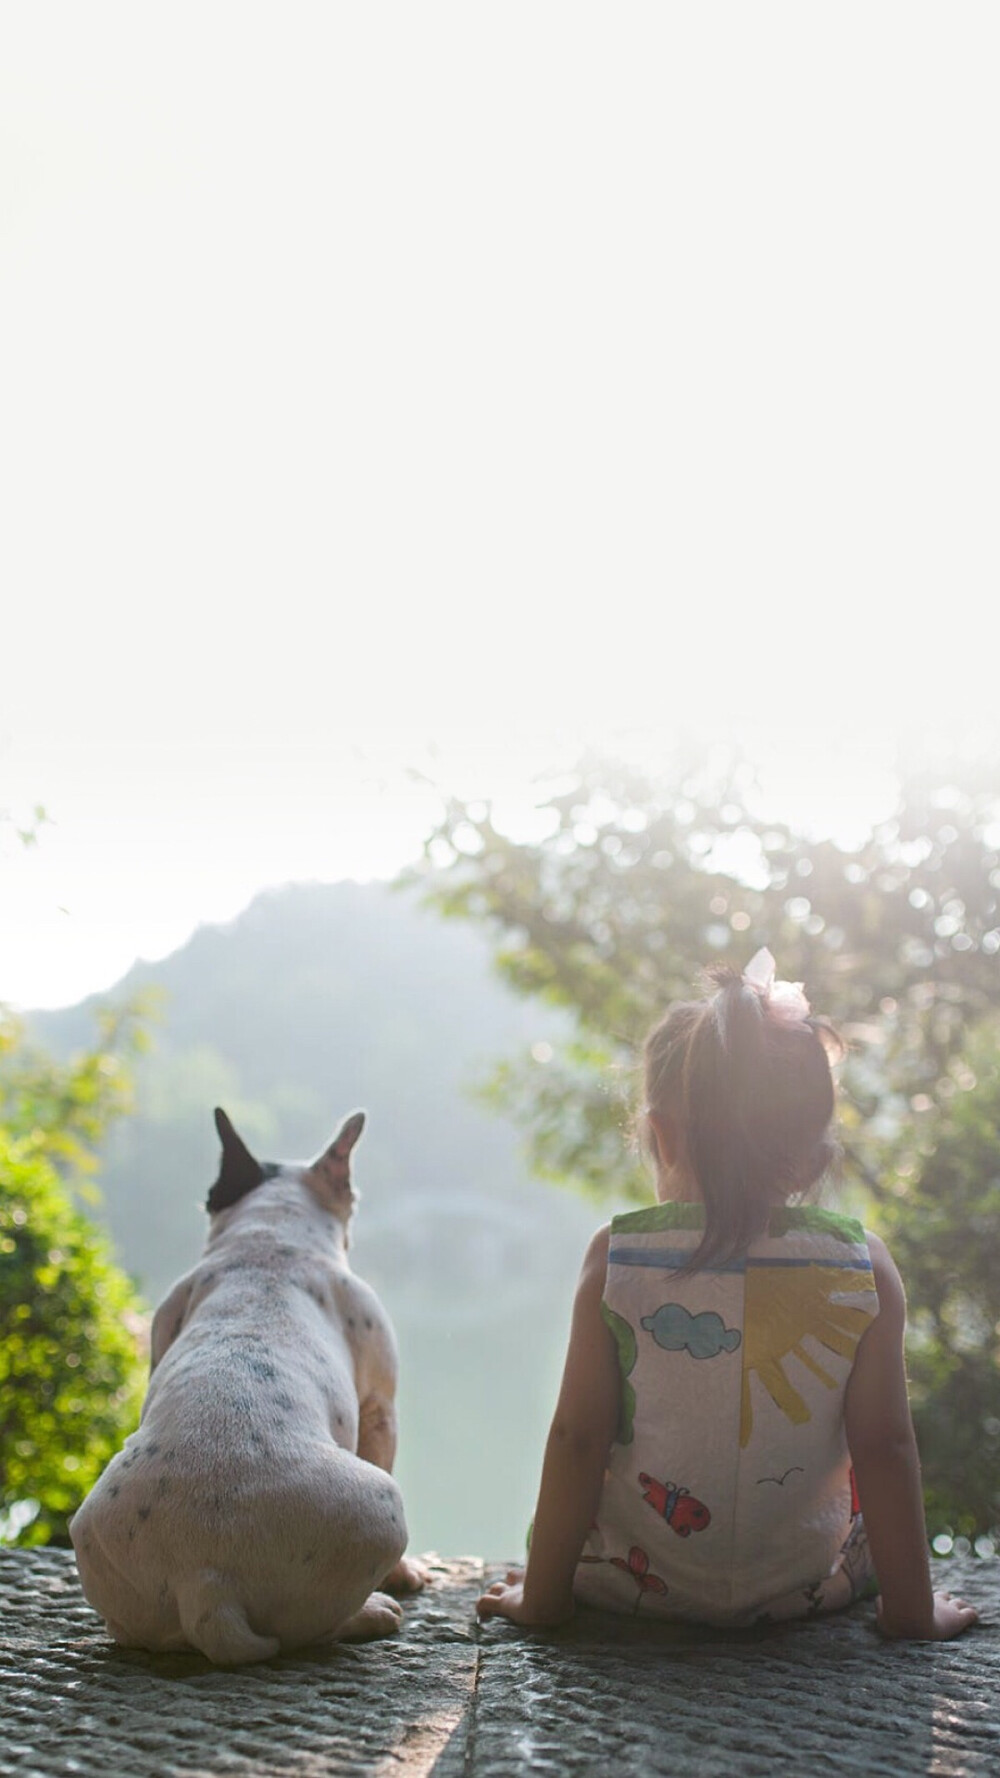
[[379, 1616], [408, 1576], [121, 1634], [215, 1622]]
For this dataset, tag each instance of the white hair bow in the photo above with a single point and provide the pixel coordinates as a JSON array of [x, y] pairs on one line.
[[786, 999]]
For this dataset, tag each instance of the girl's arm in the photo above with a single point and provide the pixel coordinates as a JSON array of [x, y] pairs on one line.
[[887, 1471], [583, 1427]]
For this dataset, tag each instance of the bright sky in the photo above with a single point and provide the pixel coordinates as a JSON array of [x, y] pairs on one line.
[[451, 386]]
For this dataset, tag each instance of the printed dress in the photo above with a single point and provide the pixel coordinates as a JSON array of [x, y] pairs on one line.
[[729, 1496]]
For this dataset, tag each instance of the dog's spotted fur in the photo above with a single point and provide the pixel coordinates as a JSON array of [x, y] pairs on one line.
[[253, 1510]]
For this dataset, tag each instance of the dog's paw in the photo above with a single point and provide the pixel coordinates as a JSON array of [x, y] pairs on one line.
[[379, 1616], [408, 1576]]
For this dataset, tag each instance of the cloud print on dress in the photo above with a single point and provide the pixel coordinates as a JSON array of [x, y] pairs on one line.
[[675, 1329]]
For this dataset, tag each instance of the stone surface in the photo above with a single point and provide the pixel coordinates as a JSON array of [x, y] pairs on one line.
[[448, 1698]]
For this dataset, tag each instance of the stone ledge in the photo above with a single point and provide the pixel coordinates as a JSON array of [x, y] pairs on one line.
[[456, 1700]]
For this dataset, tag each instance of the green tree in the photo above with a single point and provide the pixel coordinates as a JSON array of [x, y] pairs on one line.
[[941, 1216], [636, 885], [71, 1324]]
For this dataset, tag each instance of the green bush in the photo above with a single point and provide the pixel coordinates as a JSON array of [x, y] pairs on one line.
[[941, 1220], [70, 1330], [71, 1325]]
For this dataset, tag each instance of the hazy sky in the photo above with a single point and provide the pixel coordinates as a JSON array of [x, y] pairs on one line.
[[384, 384]]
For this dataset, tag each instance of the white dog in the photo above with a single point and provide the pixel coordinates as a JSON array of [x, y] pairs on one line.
[[253, 1510]]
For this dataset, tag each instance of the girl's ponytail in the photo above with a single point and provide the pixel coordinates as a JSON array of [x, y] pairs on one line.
[[750, 1086], [726, 1065]]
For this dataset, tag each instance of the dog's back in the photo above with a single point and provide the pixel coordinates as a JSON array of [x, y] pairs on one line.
[[239, 1519]]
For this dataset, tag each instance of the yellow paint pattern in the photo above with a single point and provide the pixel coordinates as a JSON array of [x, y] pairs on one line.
[[784, 1306]]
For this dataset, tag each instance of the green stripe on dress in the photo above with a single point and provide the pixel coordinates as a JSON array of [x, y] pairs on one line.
[[658, 1219]]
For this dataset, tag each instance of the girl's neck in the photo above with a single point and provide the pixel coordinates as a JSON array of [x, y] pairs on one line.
[[675, 1186]]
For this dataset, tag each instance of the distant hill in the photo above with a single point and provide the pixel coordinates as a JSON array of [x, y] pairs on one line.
[[317, 1000]]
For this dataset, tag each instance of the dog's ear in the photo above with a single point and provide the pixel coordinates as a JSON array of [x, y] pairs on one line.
[[239, 1173], [329, 1177], [343, 1142]]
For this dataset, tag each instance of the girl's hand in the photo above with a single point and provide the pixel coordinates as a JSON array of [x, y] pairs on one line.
[[951, 1617], [505, 1598]]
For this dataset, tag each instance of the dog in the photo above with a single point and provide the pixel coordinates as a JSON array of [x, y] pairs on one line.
[[253, 1510]]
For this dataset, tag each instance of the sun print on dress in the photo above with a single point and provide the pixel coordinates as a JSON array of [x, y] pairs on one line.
[[783, 1306]]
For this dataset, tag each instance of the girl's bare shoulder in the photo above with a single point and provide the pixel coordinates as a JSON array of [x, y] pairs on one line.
[[595, 1260], [888, 1283]]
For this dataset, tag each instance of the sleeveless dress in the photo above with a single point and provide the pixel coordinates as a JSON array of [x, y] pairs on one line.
[[729, 1497]]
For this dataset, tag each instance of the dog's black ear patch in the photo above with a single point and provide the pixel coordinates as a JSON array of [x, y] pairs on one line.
[[239, 1173]]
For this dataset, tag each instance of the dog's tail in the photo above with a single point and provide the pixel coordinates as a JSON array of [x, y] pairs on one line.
[[214, 1621]]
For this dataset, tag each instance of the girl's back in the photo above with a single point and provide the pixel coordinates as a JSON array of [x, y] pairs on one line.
[[728, 1490]]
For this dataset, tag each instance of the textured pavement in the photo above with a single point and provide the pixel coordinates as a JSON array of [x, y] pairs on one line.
[[606, 1696]]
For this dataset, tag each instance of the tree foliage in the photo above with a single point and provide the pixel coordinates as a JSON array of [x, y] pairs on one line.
[[635, 885], [70, 1323], [941, 1218]]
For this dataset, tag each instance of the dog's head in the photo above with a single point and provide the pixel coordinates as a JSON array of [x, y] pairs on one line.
[[328, 1177]]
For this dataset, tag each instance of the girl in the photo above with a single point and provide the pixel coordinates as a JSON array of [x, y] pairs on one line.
[[734, 1397]]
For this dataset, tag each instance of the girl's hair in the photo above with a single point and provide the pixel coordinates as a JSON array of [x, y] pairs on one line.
[[751, 1093]]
